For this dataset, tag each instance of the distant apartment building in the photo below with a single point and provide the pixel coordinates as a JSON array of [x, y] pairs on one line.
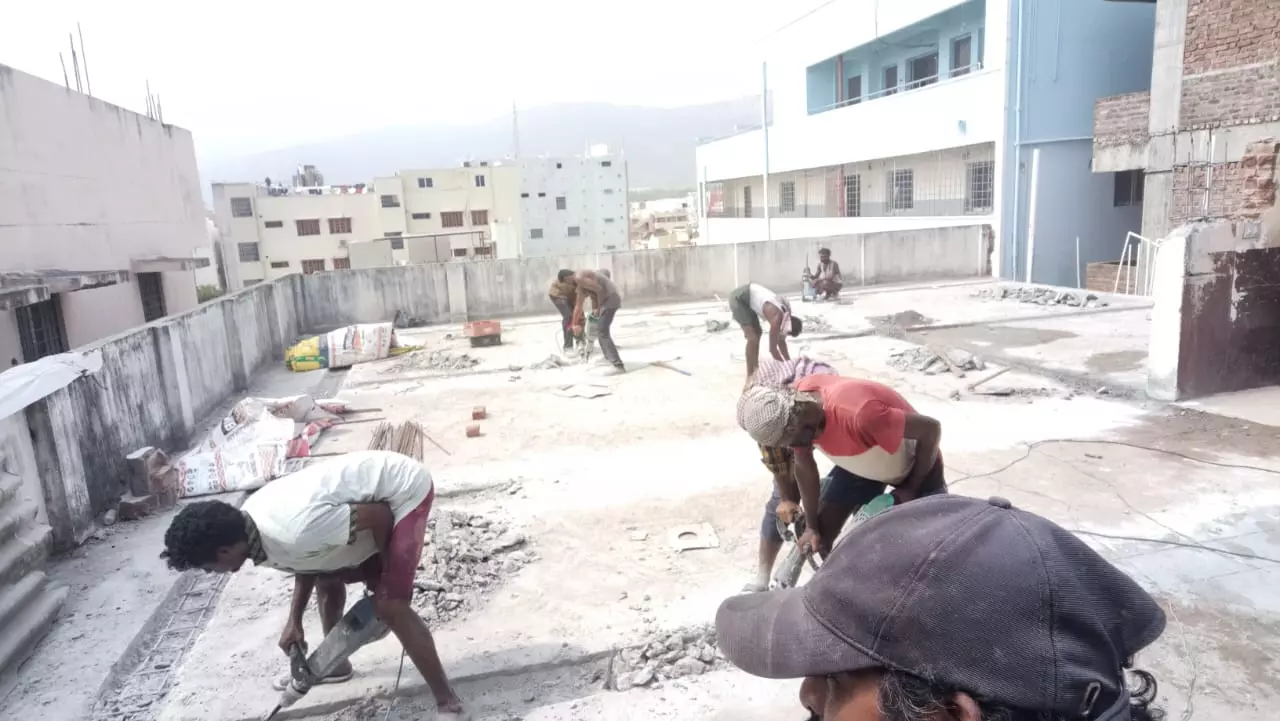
[[100, 219], [937, 113], [529, 207], [1187, 145], [664, 222]]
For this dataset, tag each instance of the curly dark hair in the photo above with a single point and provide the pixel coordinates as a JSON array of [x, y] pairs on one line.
[[199, 530], [905, 697]]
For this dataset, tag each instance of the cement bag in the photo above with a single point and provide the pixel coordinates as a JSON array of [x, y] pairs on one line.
[[360, 344], [306, 355], [232, 468]]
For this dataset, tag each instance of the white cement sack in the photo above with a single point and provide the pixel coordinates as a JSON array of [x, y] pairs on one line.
[[232, 468], [360, 344]]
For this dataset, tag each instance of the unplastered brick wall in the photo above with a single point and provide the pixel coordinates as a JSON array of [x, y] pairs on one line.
[[1231, 97], [1121, 119], [1235, 191], [1223, 34]]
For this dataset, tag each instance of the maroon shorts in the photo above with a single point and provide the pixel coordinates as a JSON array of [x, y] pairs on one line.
[[390, 575]]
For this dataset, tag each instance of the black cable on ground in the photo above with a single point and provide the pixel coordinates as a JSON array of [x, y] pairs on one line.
[[1140, 539]]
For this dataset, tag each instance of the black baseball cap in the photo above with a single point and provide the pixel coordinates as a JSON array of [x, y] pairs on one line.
[[970, 594]]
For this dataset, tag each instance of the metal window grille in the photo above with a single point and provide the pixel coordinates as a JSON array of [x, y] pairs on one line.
[[249, 252], [278, 264], [274, 224], [852, 196], [535, 233], [746, 202], [422, 216], [574, 231], [339, 225], [561, 202], [342, 264], [397, 243], [390, 201], [901, 190], [425, 183], [41, 330], [241, 207], [313, 266], [980, 186], [451, 219], [151, 291], [479, 181], [309, 226], [787, 197], [479, 217]]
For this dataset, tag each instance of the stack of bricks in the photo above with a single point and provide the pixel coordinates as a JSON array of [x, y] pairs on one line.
[[153, 484], [1259, 169]]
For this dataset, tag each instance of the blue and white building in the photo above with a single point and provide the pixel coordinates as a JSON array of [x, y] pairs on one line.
[[906, 114]]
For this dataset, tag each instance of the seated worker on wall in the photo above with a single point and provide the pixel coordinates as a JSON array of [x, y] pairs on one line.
[[563, 294], [783, 503], [955, 609], [605, 301], [748, 305], [871, 433], [828, 281], [359, 518]]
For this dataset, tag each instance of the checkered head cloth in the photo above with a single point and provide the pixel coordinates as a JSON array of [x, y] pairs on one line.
[[765, 412]]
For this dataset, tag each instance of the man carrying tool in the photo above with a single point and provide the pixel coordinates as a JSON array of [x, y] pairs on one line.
[[360, 518], [752, 302], [955, 609], [563, 294], [605, 302], [871, 433], [783, 502]]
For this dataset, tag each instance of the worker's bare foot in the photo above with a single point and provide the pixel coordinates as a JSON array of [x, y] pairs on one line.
[[452, 711], [343, 672], [755, 587]]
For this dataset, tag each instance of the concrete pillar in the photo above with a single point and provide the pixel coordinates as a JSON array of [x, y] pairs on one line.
[[1164, 347], [456, 280], [1166, 66]]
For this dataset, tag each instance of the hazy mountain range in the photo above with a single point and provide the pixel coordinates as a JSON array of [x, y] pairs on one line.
[[659, 143]]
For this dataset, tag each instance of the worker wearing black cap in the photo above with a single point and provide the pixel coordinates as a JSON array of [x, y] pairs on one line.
[[954, 609]]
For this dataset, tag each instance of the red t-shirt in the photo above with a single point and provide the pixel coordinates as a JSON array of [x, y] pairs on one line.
[[865, 425]]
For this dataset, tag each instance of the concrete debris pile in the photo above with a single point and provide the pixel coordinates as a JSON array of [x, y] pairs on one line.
[[906, 319], [466, 556], [1043, 296], [663, 656], [926, 360], [715, 326], [438, 359], [815, 323], [552, 361]]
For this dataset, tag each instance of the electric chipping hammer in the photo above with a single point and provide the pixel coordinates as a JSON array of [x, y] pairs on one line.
[[787, 573], [358, 627]]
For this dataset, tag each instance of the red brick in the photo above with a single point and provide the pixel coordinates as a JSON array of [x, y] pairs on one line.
[[481, 328], [132, 507], [473, 430], [479, 413], [1121, 119]]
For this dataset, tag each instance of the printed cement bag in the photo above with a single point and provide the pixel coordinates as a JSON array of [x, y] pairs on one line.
[[342, 348], [232, 468]]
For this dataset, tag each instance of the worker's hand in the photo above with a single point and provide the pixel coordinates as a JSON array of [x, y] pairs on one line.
[[787, 511], [577, 331], [292, 636], [902, 495], [810, 541]]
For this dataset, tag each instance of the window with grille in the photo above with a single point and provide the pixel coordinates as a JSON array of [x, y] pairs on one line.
[[573, 231], [853, 196], [310, 266], [397, 243], [1128, 188], [151, 291], [961, 56], [787, 196], [890, 80], [451, 219], [342, 264], [980, 187], [561, 202], [484, 250], [479, 217], [279, 264], [40, 328], [390, 201], [339, 225], [746, 202], [241, 207], [606, 163], [248, 252], [902, 190], [274, 224], [535, 233], [459, 252], [426, 183], [422, 216], [308, 226], [480, 180], [922, 71]]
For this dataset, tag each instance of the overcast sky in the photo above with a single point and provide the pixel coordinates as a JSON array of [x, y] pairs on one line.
[[247, 76]]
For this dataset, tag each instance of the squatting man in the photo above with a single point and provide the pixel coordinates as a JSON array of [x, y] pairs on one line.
[[360, 518]]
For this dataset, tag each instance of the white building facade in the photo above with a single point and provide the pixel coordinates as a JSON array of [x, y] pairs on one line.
[[100, 219], [936, 113], [530, 207]]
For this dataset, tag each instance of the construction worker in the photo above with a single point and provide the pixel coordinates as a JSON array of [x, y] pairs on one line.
[[563, 294], [828, 281], [359, 518], [871, 433], [605, 302], [748, 305]]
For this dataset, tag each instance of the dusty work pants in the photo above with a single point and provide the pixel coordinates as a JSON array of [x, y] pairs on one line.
[[566, 317], [607, 347]]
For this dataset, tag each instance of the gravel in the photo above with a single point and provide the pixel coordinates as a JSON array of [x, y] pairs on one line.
[[664, 656], [466, 557], [438, 359], [924, 360], [1043, 296]]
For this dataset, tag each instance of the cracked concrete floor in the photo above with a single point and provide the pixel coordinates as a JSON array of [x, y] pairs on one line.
[[662, 450]]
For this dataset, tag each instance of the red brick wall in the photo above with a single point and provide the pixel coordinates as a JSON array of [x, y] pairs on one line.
[[1238, 191], [1121, 119], [1225, 34], [1232, 97]]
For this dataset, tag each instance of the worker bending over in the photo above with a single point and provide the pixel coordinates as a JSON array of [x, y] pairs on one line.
[[752, 302], [360, 518], [605, 302], [563, 294]]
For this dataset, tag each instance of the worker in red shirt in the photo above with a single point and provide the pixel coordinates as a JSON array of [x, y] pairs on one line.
[[871, 433]]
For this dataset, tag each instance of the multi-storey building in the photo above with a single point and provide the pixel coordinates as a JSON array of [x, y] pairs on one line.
[[937, 113], [100, 218], [541, 206], [1187, 140]]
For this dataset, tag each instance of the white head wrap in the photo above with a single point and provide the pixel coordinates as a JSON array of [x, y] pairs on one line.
[[764, 413]]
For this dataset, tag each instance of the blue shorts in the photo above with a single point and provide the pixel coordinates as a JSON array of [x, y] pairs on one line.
[[842, 488]]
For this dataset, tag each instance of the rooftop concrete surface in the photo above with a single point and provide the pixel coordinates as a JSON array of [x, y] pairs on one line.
[[662, 449]]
